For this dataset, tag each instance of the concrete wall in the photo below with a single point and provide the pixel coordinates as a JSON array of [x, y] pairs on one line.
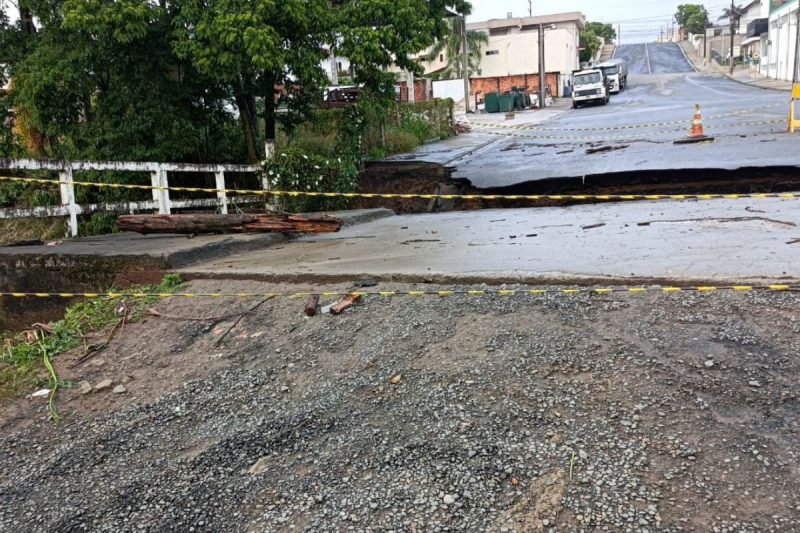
[[449, 89]]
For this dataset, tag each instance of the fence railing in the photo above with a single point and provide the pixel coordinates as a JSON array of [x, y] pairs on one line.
[[159, 180]]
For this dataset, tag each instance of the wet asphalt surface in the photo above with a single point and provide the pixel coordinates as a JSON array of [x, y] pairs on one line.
[[640, 125]]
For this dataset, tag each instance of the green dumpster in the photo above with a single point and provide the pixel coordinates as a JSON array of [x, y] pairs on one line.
[[506, 103], [492, 103]]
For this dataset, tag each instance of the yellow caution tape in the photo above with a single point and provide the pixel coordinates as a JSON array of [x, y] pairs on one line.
[[413, 293], [403, 196]]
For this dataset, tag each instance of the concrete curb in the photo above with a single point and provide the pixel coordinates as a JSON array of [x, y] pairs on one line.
[[754, 85]]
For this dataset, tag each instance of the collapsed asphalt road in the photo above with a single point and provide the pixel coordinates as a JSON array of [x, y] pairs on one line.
[[558, 413], [654, 58], [637, 130]]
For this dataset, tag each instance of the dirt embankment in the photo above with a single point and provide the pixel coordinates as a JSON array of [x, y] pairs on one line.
[[619, 412]]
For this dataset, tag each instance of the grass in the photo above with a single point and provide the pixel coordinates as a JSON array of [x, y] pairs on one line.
[[26, 355]]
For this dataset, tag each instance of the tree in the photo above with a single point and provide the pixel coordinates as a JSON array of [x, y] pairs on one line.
[[97, 79], [734, 15], [451, 46], [590, 44], [692, 17], [606, 31]]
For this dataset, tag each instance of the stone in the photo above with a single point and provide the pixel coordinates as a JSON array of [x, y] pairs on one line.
[[98, 362], [120, 389], [126, 379], [709, 363], [103, 385], [449, 499], [755, 384], [85, 387]]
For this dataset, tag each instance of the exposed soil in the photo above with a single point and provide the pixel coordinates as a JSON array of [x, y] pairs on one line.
[[657, 412]]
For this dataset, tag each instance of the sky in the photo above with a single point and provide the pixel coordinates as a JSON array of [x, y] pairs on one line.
[[639, 20]]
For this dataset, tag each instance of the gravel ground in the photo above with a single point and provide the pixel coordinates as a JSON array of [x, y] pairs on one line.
[[656, 412]]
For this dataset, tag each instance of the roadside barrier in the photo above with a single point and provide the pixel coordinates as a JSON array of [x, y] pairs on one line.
[[794, 124], [410, 293], [410, 196]]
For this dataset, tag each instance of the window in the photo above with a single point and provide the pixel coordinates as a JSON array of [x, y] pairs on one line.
[[498, 31], [441, 57], [492, 52]]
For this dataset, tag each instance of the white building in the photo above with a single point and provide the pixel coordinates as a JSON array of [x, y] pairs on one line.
[[780, 46], [513, 48]]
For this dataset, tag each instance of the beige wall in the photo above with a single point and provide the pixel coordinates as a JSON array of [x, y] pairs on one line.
[[518, 52]]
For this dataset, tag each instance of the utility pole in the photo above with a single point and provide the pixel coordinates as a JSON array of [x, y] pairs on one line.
[[619, 34], [465, 62], [530, 8], [733, 27], [796, 53], [542, 73]]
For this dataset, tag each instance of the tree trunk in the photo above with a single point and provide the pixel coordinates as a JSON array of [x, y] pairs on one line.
[[202, 223], [247, 112], [269, 108]]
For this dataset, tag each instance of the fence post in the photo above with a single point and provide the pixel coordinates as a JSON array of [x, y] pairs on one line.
[[67, 189], [219, 176], [158, 178]]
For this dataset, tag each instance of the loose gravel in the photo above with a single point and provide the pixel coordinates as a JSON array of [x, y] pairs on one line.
[[655, 412]]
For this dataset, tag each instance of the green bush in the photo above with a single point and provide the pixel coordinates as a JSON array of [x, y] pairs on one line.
[[98, 224], [294, 170]]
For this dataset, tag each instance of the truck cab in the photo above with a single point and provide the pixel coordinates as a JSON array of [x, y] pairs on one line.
[[590, 86], [617, 73]]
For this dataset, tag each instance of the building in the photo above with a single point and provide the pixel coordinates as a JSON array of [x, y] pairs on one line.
[[511, 58], [755, 24], [782, 38]]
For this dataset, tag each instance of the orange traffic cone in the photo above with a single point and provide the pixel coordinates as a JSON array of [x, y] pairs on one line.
[[697, 123], [697, 133]]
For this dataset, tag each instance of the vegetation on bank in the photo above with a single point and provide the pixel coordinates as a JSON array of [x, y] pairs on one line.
[[24, 355]]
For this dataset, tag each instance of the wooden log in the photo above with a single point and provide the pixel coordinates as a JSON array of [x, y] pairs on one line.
[[311, 306], [194, 224], [344, 304]]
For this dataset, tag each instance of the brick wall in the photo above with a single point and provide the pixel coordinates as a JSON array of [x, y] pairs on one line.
[[421, 93], [503, 85]]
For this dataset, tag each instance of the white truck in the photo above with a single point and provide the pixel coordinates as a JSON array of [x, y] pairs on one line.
[[589, 86], [616, 71]]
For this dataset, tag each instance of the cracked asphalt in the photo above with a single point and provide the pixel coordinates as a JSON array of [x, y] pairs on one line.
[[748, 125]]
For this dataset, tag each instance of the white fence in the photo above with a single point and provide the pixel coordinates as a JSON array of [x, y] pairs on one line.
[[159, 180]]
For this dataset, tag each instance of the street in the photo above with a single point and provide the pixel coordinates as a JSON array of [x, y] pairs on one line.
[[639, 127]]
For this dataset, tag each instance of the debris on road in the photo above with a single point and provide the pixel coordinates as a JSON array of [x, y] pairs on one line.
[[605, 148], [311, 305], [195, 224], [103, 385], [41, 393], [394, 380], [593, 226], [345, 303]]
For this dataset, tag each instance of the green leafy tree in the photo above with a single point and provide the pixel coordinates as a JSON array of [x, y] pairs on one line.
[[606, 31], [375, 34], [590, 44], [98, 79], [451, 46], [692, 17]]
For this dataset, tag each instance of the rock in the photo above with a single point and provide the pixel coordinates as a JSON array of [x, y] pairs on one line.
[[103, 385], [709, 363], [98, 362], [545, 522], [284, 389], [583, 455], [120, 389], [85, 387], [449, 499], [260, 465], [126, 379], [755, 384]]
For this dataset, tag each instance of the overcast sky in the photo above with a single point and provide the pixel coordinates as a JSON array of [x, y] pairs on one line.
[[640, 20]]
